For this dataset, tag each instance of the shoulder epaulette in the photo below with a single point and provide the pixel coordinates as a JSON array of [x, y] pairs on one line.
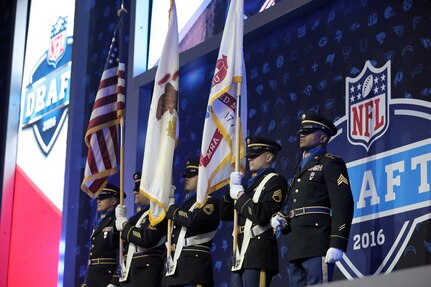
[[331, 156]]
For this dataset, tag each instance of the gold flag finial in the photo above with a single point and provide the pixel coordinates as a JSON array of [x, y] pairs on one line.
[[122, 9]]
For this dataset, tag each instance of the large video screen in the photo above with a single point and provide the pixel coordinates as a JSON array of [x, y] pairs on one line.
[[41, 153], [198, 20]]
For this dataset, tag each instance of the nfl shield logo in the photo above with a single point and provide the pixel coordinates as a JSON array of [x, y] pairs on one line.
[[46, 97], [57, 43], [367, 104]]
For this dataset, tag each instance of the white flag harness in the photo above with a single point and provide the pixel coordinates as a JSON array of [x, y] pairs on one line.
[[251, 232], [184, 242]]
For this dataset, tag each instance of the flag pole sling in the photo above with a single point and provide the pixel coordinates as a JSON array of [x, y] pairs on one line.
[[237, 164]]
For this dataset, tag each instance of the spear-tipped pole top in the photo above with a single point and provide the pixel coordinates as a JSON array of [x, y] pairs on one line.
[[122, 9]]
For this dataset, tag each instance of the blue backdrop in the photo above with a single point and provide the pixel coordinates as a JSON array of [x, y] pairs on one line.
[[303, 64]]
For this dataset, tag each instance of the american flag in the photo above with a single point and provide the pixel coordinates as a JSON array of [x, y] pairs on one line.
[[109, 105]]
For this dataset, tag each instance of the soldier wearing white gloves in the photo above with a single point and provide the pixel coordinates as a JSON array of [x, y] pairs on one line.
[[102, 263], [145, 243], [256, 259], [320, 207], [190, 261]]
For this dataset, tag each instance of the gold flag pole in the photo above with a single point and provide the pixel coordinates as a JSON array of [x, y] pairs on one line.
[[169, 231], [169, 245], [120, 248], [169, 237], [120, 114], [237, 166]]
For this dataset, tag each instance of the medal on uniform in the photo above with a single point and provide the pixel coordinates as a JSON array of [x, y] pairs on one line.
[[106, 231], [312, 175]]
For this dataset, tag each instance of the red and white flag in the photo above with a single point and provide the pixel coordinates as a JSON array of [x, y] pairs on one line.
[[102, 132], [162, 129], [217, 159]]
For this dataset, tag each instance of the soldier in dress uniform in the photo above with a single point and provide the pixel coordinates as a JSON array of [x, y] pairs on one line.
[[320, 204], [194, 227], [144, 263], [102, 265], [256, 259]]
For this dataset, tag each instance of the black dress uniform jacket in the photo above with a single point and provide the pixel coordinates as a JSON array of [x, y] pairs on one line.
[[262, 251], [322, 182], [194, 266], [102, 268], [146, 267]]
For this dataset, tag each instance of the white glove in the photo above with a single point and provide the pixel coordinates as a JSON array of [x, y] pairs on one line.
[[172, 191], [278, 222], [172, 195], [120, 214], [235, 178], [235, 190], [111, 285], [171, 201], [333, 255], [120, 211]]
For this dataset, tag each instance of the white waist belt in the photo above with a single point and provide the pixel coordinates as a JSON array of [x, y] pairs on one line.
[[200, 238]]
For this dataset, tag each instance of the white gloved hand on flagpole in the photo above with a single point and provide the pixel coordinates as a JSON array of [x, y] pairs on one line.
[[172, 191], [172, 195], [120, 214], [236, 190], [235, 178]]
